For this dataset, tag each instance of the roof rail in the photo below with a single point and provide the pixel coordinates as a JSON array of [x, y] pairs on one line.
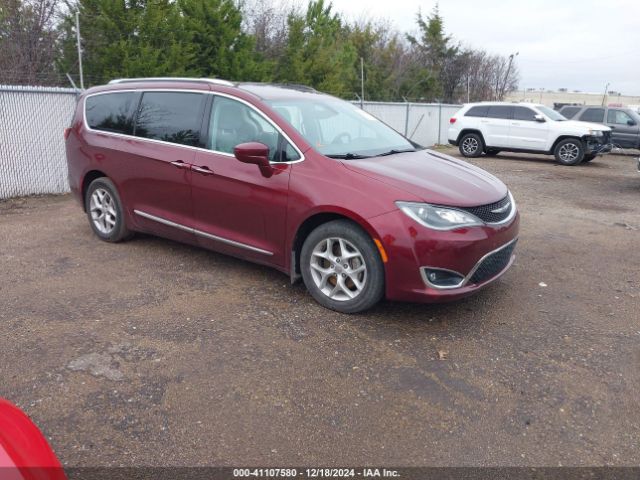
[[215, 81]]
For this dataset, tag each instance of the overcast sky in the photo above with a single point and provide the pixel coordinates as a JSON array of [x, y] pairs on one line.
[[575, 44]]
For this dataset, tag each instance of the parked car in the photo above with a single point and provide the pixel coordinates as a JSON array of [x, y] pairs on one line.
[[624, 122], [291, 178], [491, 128], [24, 452]]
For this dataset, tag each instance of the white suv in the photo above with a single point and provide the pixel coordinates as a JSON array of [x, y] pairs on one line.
[[490, 128]]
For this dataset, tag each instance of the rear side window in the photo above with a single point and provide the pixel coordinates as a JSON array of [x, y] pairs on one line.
[[111, 112], [569, 112], [524, 113], [480, 111], [500, 111], [593, 115], [174, 117]]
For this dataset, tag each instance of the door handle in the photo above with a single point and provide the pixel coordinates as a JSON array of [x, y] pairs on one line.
[[515, 123], [202, 170], [180, 164]]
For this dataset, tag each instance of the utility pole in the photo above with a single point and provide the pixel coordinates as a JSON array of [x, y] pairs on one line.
[[79, 49], [362, 83], [468, 89], [605, 93], [506, 77]]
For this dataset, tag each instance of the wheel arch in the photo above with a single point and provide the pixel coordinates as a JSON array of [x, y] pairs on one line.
[[89, 177], [313, 221], [564, 137], [471, 130]]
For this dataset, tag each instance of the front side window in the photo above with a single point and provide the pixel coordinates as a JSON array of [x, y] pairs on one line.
[[173, 117], [593, 115], [500, 111], [618, 117], [524, 113], [233, 123], [338, 129], [111, 112]]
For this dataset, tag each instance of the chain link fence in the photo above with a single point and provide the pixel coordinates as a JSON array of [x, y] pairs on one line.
[[32, 155], [33, 119]]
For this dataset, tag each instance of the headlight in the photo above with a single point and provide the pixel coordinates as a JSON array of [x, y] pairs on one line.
[[596, 133], [438, 218]]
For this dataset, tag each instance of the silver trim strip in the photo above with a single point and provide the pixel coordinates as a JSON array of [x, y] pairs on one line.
[[466, 279], [200, 233], [216, 81], [203, 92]]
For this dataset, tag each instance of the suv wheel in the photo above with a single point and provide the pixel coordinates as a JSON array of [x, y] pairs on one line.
[[569, 151], [471, 145], [341, 267], [105, 212]]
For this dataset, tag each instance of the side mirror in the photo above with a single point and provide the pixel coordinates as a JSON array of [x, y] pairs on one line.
[[256, 153], [540, 118], [252, 152], [631, 123]]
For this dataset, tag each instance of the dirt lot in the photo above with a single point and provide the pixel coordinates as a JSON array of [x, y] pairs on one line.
[[155, 353]]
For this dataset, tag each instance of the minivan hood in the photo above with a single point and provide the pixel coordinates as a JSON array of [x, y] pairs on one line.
[[433, 177]]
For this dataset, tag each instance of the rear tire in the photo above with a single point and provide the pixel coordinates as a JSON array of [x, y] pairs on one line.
[[105, 212], [341, 267], [471, 145], [569, 151]]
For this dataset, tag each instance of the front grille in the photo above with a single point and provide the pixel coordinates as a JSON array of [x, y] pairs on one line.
[[486, 213], [493, 264]]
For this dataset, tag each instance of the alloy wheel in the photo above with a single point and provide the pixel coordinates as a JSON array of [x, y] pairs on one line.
[[569, 152], [338, 269], [470, 145], [103, 211]]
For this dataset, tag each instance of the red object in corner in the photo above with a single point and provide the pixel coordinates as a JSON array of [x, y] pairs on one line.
[[24, 452]]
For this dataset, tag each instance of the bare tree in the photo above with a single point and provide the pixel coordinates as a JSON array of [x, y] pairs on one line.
[[28, 40]]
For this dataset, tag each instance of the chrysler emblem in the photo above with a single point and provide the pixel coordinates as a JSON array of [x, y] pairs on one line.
[[502, 209]]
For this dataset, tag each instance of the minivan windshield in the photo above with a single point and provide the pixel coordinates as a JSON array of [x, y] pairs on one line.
[[552, 114], [339, 129]]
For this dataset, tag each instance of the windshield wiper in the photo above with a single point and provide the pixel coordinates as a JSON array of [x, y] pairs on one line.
[[393, 152], [348, 156]]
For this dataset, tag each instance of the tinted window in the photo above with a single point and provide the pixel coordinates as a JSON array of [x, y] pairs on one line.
[[570, 112], [171, 116], [500, 111], [593, 115], [233, 123], [524, 113], [477, 111], [111, 112], [618, 117]]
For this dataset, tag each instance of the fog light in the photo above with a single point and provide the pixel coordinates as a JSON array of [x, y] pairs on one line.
[[442, 278]]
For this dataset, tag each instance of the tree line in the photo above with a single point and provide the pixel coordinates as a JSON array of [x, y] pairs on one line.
[[250, 40]]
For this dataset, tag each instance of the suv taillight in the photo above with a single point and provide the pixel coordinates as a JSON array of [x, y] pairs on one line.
[[452, 120]]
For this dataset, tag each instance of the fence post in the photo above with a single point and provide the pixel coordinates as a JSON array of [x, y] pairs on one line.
[[439, 122], [406, 118]]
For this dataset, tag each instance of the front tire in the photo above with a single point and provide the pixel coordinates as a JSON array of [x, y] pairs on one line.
[[105, 212], [569, 151], [471, 145], [341, 267]]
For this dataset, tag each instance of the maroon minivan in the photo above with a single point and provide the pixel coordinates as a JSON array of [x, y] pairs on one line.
[[291, 178]]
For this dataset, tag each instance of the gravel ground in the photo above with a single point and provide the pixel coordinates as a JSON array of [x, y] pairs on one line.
[[155, 353]]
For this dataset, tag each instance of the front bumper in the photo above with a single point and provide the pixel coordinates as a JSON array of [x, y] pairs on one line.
[[412, 248], [598, 145]]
